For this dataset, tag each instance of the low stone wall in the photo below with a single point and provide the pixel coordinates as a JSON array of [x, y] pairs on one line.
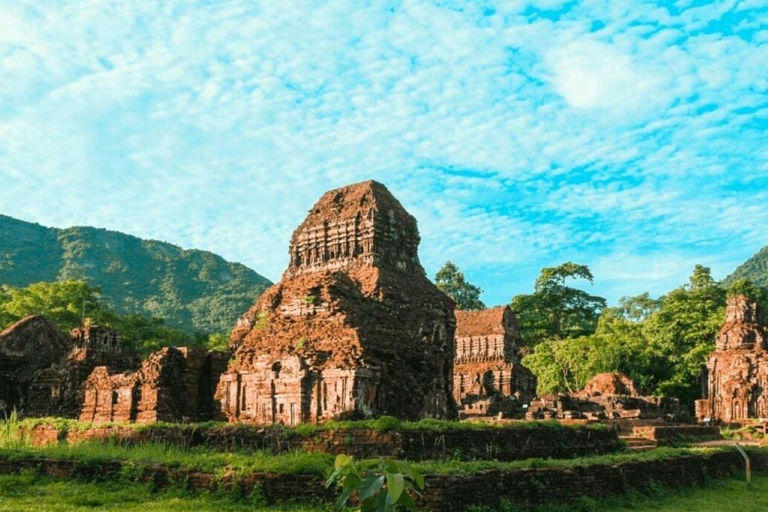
[[444, 493], [671, 434], [504, 444]]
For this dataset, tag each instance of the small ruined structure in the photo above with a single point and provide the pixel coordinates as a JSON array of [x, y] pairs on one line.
[[609, 384], [488, 377], [737, 371], [353, 329], [42, 370], [606, 396], [89, 375], [97, 338], [172, 384]]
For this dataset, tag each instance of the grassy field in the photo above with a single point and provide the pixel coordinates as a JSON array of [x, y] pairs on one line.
[[25, 493]]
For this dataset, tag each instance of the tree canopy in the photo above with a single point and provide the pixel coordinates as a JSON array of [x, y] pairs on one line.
[[68, 303], [662, 344], [451, 281], [555, 310]]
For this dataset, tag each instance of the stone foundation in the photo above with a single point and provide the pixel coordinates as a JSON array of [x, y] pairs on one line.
[[415, 444]]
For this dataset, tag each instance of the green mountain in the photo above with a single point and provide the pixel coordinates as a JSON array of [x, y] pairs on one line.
[[196, 291], [755, 269]]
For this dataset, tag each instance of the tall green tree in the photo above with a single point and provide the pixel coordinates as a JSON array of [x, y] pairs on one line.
[[556, 310], [682, 332], [451, 281], [67, 303], [63, 302]]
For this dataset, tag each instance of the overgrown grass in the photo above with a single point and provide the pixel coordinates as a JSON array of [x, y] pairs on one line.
[[11, 434], [453, 467], [747, 432], [206, 459], [726, 495], [381, 424], [196, 458], [27, 493]]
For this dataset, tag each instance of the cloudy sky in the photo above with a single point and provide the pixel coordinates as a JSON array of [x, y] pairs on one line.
[[629, 136]]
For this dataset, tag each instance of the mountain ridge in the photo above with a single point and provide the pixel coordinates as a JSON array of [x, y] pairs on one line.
[[194, 290]]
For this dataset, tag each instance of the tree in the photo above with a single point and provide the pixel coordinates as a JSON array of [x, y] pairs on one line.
[[555, 310], [750, 290], [451, 281], [66, 303], [566, 365], [61, 302]]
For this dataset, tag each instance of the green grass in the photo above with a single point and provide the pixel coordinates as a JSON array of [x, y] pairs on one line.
[[726, 495], [200, 459], [381, 424], [205, 459], [454, 467], [26, 493]]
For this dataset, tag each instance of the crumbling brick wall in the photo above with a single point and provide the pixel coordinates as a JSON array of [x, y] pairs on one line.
[[172, 384]]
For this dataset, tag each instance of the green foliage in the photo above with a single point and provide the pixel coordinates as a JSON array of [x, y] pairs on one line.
[[387, 487], [682, 333], [29, 493], [65, 303], [195, 291], [754, 269], [263, 320], [660, 344], [451, 281], [12, 435], [555, 310]]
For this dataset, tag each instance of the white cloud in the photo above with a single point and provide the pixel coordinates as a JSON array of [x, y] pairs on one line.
[[518, 141], [595, 75]]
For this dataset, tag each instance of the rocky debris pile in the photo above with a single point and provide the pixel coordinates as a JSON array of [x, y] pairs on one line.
[[606, 396]]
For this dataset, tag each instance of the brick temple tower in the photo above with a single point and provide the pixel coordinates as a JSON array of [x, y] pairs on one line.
[[353, 329]]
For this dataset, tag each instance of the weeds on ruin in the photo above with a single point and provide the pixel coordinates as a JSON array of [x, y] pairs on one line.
[[12, 435]]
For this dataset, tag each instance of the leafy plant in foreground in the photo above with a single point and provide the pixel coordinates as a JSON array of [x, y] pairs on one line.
[[386, 488]]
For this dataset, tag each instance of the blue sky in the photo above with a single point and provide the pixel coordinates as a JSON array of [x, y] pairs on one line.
[[630, 136]]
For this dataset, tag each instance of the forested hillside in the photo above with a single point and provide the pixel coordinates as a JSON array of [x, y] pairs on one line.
[[195, 291], [755, 269]]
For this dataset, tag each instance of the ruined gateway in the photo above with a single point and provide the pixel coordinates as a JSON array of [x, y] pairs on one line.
[[353, 329], [737, 371], [488, 377]]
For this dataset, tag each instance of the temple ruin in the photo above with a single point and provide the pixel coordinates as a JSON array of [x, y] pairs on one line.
[[171, 384], [488, 377], [353, 329], [736, 375], [606, 396], [42, 370], [89, 375]]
